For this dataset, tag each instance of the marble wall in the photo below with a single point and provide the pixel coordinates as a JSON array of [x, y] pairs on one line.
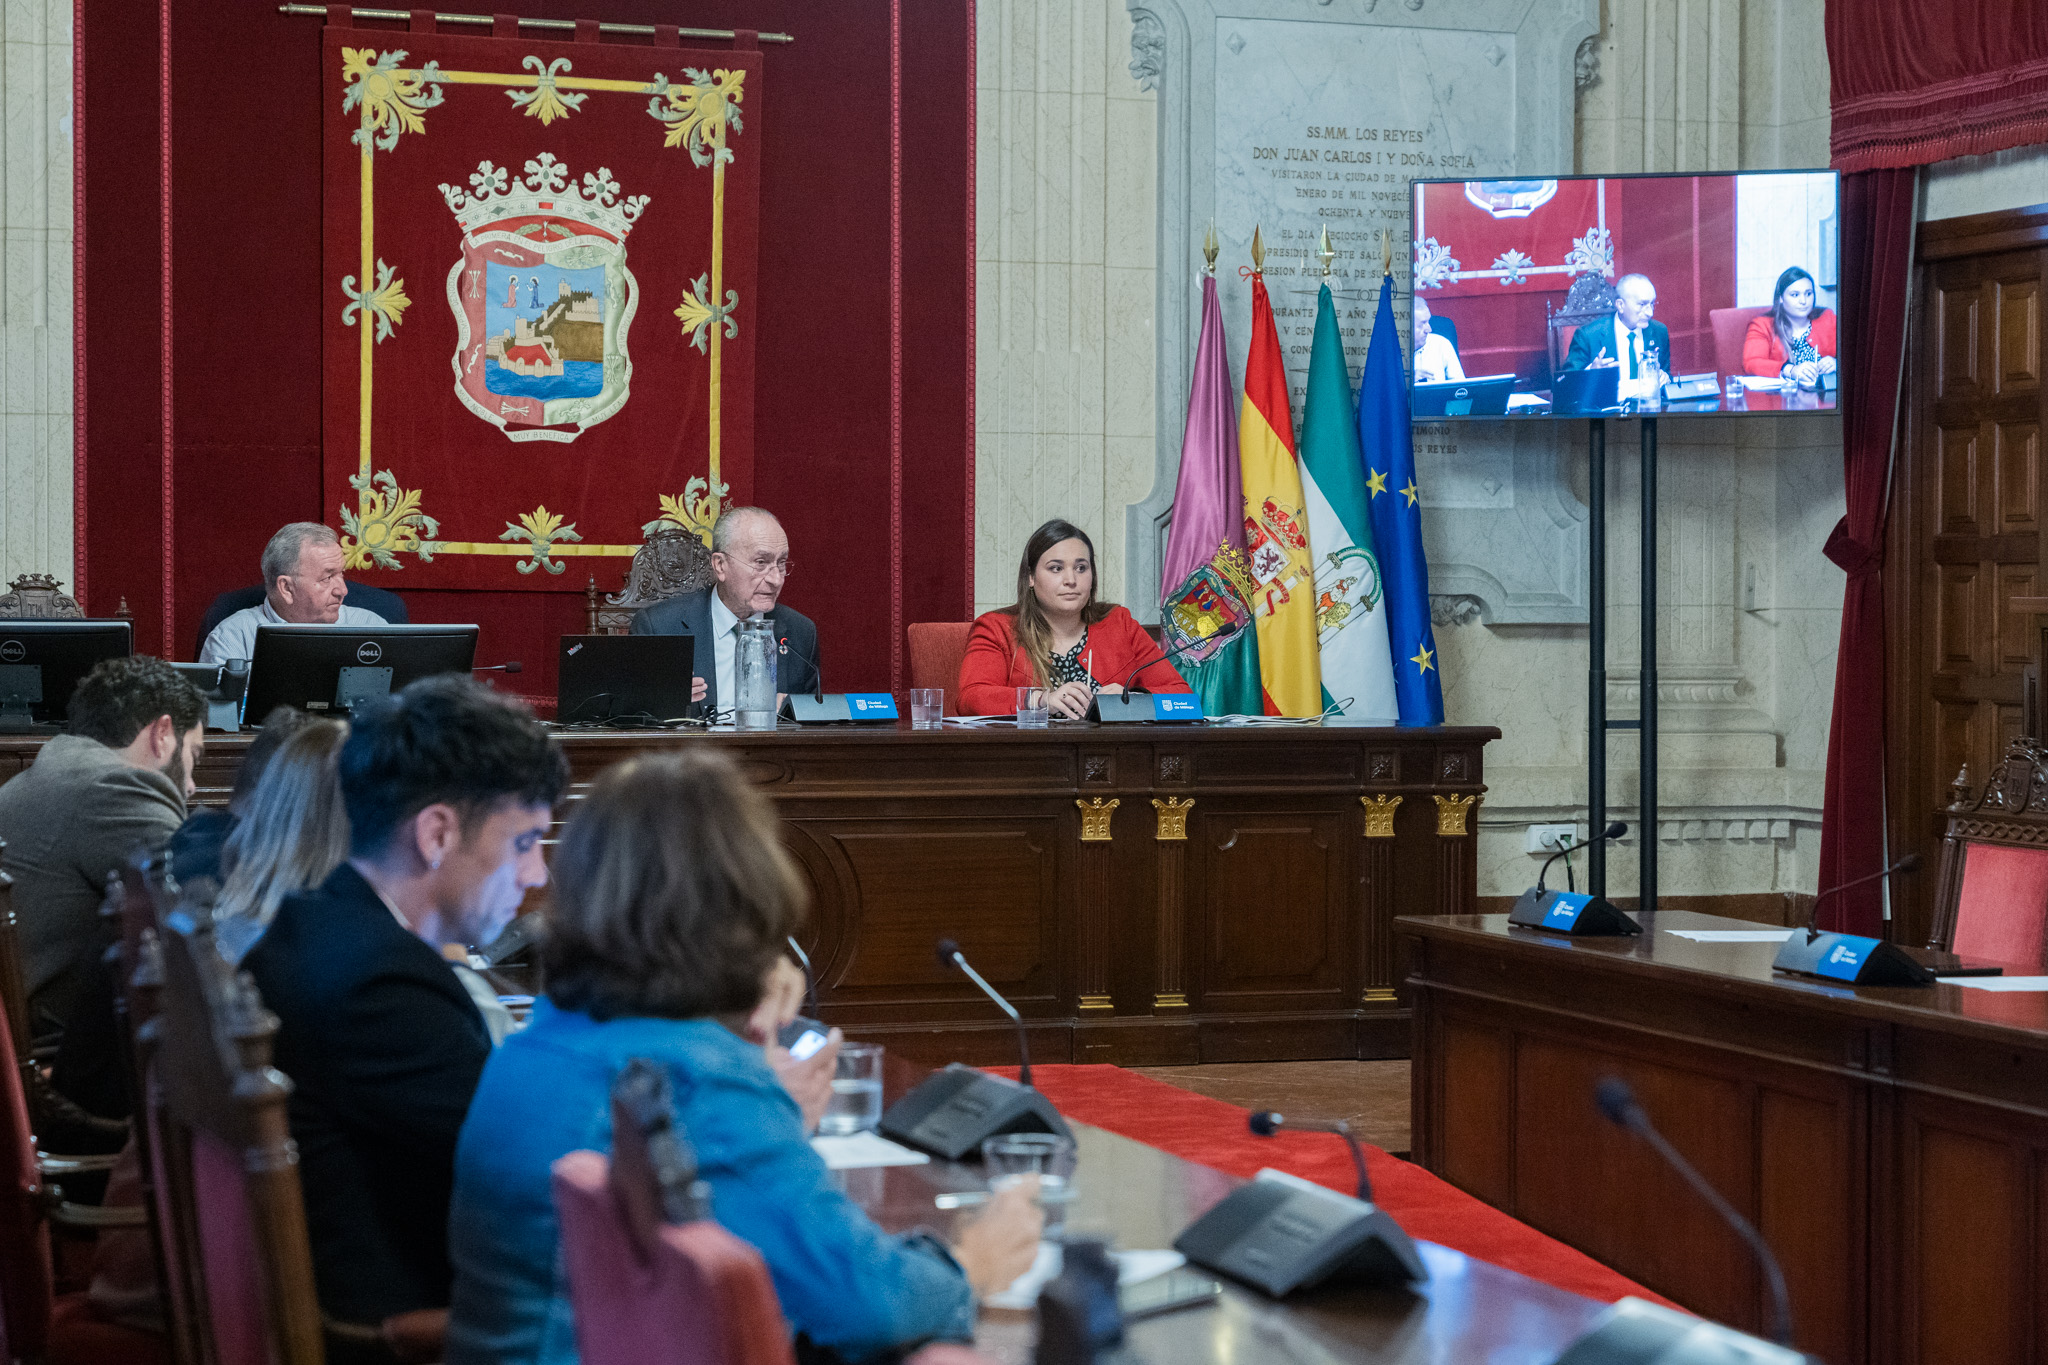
[[35, 288], [2013, 179]]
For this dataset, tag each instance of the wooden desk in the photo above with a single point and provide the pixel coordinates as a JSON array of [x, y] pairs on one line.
[[1891, 1144], [1145, 894], [1140, 1197]]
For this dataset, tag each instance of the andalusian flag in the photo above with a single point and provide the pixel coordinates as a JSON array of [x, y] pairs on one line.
[[1205, 584], [1351, 619], [1383, 434], [1275, 526]]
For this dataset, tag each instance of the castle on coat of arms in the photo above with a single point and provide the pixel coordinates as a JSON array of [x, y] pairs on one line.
[[572, 328]]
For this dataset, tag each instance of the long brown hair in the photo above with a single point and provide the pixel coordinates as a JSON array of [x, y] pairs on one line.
[[1034, 632], [672, 892], [1782, 320]]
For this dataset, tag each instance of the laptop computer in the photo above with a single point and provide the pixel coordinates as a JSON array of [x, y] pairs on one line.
[[1586, 391], [1485, 396], [615, 678]]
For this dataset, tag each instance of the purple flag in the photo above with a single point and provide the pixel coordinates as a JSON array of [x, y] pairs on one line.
[[1208, 506]]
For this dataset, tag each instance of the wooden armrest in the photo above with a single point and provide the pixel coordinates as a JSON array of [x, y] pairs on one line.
[[98, 1217], [53, 1164]]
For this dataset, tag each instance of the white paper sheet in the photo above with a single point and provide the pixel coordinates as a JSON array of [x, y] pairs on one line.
[[860, 1150], [1732, 935], [2000, 983], [1131, 1267]]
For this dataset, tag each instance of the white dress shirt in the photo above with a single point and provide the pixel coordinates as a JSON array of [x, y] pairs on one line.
[[235, 638], [725, 651], [1436, 360], [1638, 377]]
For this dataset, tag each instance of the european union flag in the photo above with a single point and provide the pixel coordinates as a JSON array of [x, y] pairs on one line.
[[1384, 438]]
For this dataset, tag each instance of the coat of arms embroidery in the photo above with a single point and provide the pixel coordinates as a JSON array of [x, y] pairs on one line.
[[542, 298]]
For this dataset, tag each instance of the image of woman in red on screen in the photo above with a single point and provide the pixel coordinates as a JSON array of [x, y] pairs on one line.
[[1795, 340]]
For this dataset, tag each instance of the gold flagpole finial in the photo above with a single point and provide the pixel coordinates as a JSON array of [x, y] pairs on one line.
[[1258, 250], [1210, 246], [1325, 252], [1386, 252]]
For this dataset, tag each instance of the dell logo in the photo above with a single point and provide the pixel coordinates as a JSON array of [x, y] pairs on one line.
[[368, 652], [12, 651]]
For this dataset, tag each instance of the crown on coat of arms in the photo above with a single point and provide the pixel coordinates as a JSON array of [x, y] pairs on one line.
[[495, 194]]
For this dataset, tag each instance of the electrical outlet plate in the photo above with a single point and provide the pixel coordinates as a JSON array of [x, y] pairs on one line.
[[1547, 839]]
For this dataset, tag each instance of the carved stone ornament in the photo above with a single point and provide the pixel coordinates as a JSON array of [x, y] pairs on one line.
[[1148, 49], [1451, 813], [1586, 64], [1379, 815], [1173, 818], [34, 597], [1452, 609], [1095, 817]]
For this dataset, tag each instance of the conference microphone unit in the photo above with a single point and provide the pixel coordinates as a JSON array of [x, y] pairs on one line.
[[1128, 707], [951, 1113], [1635, 1332], [1280, 1233], [1569, 912], [819, 707], [1852, 958]]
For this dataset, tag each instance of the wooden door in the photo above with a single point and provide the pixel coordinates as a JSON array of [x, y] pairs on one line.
[[1966, 526]]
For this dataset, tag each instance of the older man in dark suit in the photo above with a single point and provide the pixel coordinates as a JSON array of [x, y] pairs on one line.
[[1630, 341], [750, 557]]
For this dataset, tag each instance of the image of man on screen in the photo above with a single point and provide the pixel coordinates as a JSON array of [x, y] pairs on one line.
[[1633, 340], [1436, 359]]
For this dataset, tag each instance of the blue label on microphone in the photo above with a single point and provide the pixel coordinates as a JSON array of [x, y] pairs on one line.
[[871, 705], [1843, 955], [1176, 705], [1564, 912]]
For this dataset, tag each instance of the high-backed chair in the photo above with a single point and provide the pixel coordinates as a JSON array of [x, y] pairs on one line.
[[653, 1280], [673, 561], [1590, 298], [936, 651], [238, 1268], [382, 601], [1730, 326], [1992, 899]]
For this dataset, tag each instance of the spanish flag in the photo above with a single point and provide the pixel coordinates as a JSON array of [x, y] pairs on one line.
[[1275, 522]]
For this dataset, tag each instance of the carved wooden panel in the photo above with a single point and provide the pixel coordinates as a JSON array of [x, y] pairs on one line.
[[1273, 902]]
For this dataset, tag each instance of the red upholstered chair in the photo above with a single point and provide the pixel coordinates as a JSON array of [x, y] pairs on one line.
[[936, 649], [1992, 899], [1730, 326], [652, 1279]]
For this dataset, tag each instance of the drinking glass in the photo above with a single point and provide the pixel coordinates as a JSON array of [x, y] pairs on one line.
[[1032, 712], [856, 1091], [1732, 395], [1049, 1156], [927, 707]]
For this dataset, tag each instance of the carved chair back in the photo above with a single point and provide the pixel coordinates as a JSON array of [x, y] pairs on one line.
[[35, 597], [239, 1269], [673, 561], [1590, 298], [1992, 899]]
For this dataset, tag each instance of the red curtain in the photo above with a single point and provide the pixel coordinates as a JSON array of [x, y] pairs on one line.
[[1877, 237], [1915, 82]]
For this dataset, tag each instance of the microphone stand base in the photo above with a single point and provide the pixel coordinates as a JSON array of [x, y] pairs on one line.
[[1566, 912], [1634, 1332], [1850, 959], [1279, 1233], [951, 1112]]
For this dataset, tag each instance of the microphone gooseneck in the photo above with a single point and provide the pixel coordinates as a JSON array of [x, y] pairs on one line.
[[1909, 863], [510, 666], [1619, 1104], [1174, 653], [949, 955], [783, 646], [803, 959], [1613, 831], [1268, 1122]]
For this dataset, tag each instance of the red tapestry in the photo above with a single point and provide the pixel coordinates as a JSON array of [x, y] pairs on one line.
[[542, 265]]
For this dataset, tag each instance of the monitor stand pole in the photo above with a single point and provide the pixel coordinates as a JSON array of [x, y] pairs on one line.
[[1646, 819], [1597, 723]]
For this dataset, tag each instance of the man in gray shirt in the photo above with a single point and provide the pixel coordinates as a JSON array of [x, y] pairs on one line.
[[302, 586], [116, 782]]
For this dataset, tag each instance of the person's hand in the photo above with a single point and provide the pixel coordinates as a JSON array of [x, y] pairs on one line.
[[698, 689], [1827, 364], [1807, 373], [1069, 699], [1110, 690], [782, 995], [809, 1082], [1001, 1242], [1602, 361]]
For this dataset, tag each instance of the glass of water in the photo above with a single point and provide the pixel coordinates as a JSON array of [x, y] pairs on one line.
[[927, 708], [856, 1091], [1032, 712], [1049, 1156], [1732, 395]]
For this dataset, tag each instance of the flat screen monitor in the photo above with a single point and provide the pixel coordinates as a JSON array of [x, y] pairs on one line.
[[331, 668], [42, 661], [1706, 294]]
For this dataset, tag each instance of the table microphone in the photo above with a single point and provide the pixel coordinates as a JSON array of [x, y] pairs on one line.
[[1183, 647], [1619, 1104], [1909, 863], [782, 647], [512, 666], [951, 956], [1614, 831], [1267, 1122]]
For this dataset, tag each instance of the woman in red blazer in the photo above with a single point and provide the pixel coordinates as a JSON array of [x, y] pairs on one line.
[[1059, 637], [1795, 340]]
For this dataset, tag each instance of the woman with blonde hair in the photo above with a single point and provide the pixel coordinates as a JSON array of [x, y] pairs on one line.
[[1058, 637], [292, 833]]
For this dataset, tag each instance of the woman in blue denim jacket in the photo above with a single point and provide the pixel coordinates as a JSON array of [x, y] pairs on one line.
[[672, 898]]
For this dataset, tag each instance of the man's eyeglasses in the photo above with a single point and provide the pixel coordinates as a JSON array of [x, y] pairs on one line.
[[762, 565]]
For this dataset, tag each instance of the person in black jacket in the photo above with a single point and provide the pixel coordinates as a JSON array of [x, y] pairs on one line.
[[449, 790]]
